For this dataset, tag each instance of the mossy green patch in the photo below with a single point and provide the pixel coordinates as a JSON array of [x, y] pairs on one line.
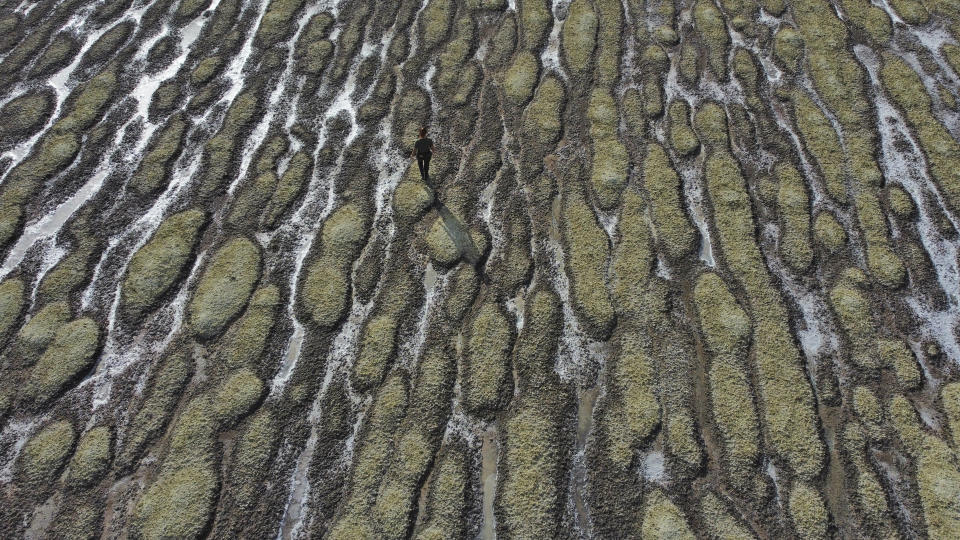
[[243, 344], [178, 505], [289, 188], [633, 113], [25, 115], [46, 452], [896, 354], [587, 251], [206, 69], [447, 497], [711, 26], [503, 43], [950, 396], [675, 233], [682, 138], [821, 141], [726, 327], [163, 392], [34, 336], [377, 347], [942, 150], [441, 245], [254, 448], [610, 162], [828, 232], [870, 19], [156, 267], [720, 521], [325, 292], [535, 21], [938, 478], [810, 518], [710, 122], [278, 22], [867, 407], [237, 396], [58, 54], [520, 78], [530, 497], [224, 288], [313, 57], [92, 458], [853, 310], [11, 305], [156, 164], [579, 36], [435, 21], [188, 9], [794, 209], [109, 43], [663, 519], [69, 355], [542, 120], [486, 377], [92, 99], [344, 230], [788, 48], [900, 202], [786, 398], [250, 201], [633, 257], [55, 153]]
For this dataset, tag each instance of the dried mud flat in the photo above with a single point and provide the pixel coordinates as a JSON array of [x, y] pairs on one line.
[[686, 268]]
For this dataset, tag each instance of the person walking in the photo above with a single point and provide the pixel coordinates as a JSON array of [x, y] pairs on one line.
[[423, 150]]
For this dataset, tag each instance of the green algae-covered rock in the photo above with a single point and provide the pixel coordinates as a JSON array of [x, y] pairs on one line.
[[225, 287], [160, 263]]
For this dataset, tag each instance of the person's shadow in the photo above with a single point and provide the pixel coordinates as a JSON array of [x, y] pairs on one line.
[[458, 231]]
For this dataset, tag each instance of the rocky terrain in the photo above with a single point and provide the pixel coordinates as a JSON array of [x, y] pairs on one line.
[[684, 268]]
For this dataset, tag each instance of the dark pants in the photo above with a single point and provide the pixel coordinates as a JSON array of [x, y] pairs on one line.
[[423, 161]]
